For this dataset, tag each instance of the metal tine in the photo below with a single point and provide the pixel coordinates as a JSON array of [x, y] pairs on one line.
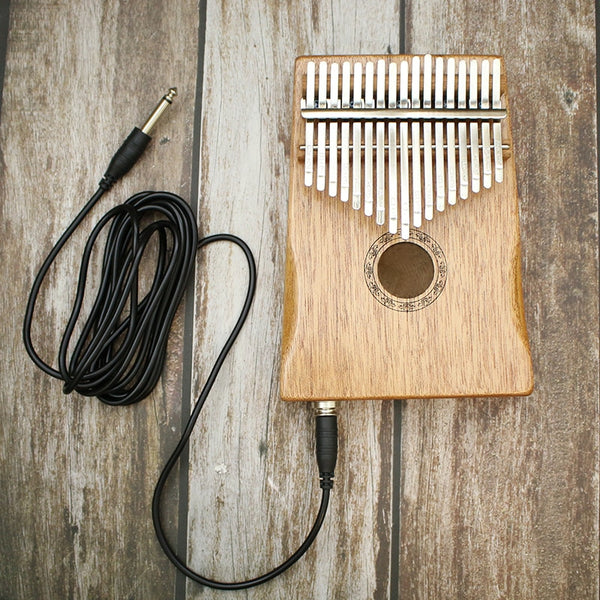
[[310, 127], [474, 127], [485, 126], [404, 169], [416, 143], [334, 102], [463, 166], [450, 132], [380, 150], [427, 150], [392, 152], [369, 103], [498, 165], [321, 127], [356, 139], [345, 152], [439, 136]]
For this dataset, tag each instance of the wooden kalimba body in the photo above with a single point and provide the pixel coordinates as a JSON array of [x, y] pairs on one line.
[[403, 275]]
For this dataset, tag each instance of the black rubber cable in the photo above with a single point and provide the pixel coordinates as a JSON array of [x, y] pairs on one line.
[[178, 562], [119, 357], [120, 352], [121, 349]]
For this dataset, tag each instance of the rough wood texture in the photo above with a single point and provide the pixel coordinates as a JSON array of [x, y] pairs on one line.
[[253, 489], [500, 497], [331, 313], [77, 476]]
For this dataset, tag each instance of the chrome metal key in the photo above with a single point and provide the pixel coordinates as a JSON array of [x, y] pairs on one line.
[[380, 151], [427, 149], [392, 152], [404, 170], [356, 138], [451, 131], [498, 164], [322, 128], [485, 126], [310, 126], [463, 167], [474, 128], [369, 103], [415, 82], [334, 102], [440, 191], [345, 152]]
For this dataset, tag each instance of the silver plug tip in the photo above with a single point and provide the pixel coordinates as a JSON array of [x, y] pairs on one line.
[[166, 101]]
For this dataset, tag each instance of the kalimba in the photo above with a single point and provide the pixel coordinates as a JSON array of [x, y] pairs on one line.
[[403, 273]]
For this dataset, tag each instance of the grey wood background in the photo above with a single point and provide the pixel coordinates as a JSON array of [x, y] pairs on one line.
[[433, 499]]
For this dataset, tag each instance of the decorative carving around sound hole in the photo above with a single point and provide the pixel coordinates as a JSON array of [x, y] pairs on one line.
[[406, 275]]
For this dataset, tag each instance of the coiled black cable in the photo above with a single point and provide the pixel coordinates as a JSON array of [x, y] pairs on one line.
[[121, 348], [120, 352]]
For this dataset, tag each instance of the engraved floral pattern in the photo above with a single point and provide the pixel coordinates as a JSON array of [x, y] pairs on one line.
[[402, 304]]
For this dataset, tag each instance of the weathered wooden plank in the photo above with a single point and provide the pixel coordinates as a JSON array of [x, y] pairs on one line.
[[253, 491], [500, 497], [78, 476]]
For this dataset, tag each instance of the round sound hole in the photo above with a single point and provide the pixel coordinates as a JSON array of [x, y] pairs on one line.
[[406, 275], [405, 270]]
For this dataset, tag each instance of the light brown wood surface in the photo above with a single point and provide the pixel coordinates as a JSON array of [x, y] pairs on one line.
[[433, 499], [470, 341]]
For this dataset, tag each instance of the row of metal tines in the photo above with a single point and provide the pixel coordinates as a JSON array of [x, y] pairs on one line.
[[421, 121]]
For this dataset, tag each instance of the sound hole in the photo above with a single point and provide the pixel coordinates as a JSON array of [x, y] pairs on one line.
[[405, 270]]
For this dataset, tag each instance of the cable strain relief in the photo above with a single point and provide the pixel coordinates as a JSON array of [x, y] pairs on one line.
[[127, 155], [326, 443], [326, 481], [107, 182]]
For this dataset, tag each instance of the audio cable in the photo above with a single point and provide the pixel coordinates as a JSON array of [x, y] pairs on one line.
[[120, 350]]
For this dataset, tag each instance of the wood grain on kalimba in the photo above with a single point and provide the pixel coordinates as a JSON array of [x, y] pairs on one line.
[[431, 304]]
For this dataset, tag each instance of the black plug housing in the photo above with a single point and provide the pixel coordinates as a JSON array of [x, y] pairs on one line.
[[127, 155], [326, 438], [135, 144]]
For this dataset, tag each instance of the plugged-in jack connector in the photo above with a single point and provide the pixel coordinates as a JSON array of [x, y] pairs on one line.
[[326, 438]]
